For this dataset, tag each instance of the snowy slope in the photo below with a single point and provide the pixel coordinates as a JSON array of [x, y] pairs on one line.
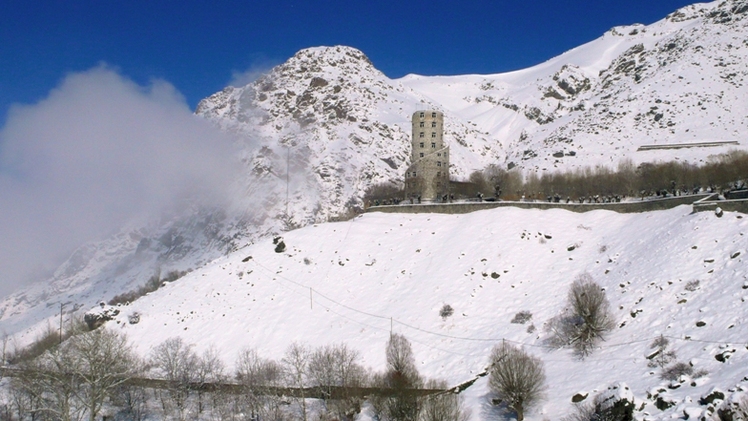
[[352, 281], [318, 130]]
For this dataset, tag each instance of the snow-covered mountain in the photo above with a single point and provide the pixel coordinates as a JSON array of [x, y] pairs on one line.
[[318, 130], [679, 80]]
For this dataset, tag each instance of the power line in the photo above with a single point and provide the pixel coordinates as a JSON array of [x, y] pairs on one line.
[[463, 338]]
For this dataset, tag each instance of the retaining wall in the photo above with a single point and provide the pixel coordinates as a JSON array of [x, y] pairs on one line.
[[621, 207], [735, 205]]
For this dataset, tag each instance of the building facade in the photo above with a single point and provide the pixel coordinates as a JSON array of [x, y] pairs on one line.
[[427, 177]]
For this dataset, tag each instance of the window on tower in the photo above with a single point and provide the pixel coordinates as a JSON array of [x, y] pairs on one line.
[[420, 134], [433, 145], [421, 144], [438, 163], [421, 154], [421, 124], [433, 124], [422, 115], [433, 134], [433, 115]]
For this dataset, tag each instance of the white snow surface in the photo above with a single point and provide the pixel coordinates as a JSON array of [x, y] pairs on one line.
[[318, 130], [356, 281]]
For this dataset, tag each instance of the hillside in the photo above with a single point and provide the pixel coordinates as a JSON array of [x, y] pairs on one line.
[[672, 272], [315, 132]]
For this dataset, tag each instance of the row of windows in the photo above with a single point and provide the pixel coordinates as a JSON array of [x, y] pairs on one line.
[[438, 174], [433, 145], [433, 124], [408, 175], [433, 115], [433, 134]]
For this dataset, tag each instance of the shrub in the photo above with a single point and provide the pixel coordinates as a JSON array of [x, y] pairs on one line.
[[586, 319], [47, 340], [446, 311], [379, 193], [517, 378], [152, 284], [735, 408], [610, 405], [676, 370], [692, 286], [662, 356], [522, 317]]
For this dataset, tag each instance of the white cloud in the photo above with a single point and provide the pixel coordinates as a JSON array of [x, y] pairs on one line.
[[245, 77], [97, 152]]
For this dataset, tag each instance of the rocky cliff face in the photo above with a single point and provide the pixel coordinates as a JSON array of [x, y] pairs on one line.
[[315, 132], [338, 124]]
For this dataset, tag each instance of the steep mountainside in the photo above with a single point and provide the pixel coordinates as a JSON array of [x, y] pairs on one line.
[[318, 130]]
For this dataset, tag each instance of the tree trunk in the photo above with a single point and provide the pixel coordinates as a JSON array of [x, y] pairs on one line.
[[520, 412]]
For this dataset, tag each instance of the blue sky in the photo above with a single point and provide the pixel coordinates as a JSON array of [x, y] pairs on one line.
[[198, 46], [96, 96]]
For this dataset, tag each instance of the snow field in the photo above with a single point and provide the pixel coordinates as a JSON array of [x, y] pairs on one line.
[[354, 281]]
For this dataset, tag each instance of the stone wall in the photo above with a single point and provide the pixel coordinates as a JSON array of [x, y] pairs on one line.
[[622, 207], [736, 205]]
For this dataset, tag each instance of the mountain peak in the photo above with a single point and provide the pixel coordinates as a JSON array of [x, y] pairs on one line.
[[334, 55]]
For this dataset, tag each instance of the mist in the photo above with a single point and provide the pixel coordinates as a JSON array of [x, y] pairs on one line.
[[255, 71], [98, 152]]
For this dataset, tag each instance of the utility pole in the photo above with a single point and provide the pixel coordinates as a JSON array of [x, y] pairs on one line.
[[62, 305], [288, 153]]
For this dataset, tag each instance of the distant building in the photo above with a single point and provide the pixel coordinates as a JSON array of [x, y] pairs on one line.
[[428, 174]]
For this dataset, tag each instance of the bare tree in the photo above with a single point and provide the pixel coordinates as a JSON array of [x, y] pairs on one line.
[[175, 361], [662, 355], [255, 373], [337, 366], [101, 361], [209, 369], [26, 394], [51, 388], [402, 376], [586, 319], [295, 364], [517, 378], [446, 406], [132, 401]]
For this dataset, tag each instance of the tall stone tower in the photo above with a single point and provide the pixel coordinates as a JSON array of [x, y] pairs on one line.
[[428, 174]]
